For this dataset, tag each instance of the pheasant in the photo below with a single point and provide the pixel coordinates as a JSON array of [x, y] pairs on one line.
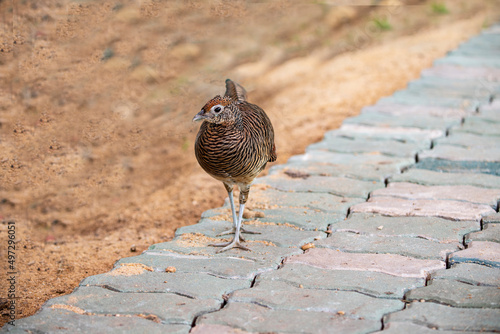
[[234, 144]]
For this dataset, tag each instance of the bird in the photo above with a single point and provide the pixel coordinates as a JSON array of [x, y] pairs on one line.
[[233, 145]]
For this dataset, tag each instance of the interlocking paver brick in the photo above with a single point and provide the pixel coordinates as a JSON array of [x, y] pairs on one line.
[[403, 110], [431, 228], [271, 198], [468, 140], [456, 153], [494, 218], [393, 206], [420, 121], [391, 264], [490, 232], [167, 307], [386, 147], [372, 283], [339, 186], [485, 167], [278, 295], [352, 159], [194, 285], [460, 72], [470, 273], [281, 235], [465, 193], [405, 134], [67, 321], [468, 61], [446, 317], [434, 178], [457, 294], [255, 318], [410, 328], [361, 171], [480, 252], [227, 267], [216, 329], [478, 126], [413, 247]]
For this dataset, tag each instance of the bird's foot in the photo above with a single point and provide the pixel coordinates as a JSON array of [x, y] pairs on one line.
[[229, 245], [233, 230]]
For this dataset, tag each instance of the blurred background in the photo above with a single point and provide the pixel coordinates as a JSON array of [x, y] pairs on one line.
[[97, 97]]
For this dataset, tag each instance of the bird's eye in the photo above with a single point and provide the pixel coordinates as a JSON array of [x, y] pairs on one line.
[[217, 109]]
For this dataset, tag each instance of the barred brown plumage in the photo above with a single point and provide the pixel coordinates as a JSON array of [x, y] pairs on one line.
[[234, 144]]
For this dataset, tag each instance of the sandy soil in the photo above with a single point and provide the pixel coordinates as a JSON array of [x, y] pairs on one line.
[[97, 97]]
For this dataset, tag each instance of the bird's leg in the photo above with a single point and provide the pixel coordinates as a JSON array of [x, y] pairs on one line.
[[236, 242], [235, 220]]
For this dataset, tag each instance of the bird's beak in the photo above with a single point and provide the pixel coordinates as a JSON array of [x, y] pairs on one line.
[[199, 116]]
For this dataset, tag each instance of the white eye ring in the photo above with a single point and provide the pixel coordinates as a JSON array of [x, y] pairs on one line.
[[217, 109]]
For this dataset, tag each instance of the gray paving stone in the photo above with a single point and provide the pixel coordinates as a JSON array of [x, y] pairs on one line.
[[66, 321], [462, 96], [469, 87], [386, 147], [366, 172], [306, 219], [196, 246], [468, 61], [469, 194], [457, 294], [413, 247], [408, 134], [470, 273], [447, 318], [494, 218], [193, 285], [402, 110], [420, 122], [392, 206], [339, 186], [352, 159], [467, 140], [225, 267], [468, 105], [272, 199], [372, 283], [199, 245], [255, 318], [435, 178], [169, 308], [278, 295], [456, 153], [430, 228], [478, 126], [282, 235], [460, 72], [410, 328], [480, 252], [484, 167], [391, 264], [216, 329], [490, 232]]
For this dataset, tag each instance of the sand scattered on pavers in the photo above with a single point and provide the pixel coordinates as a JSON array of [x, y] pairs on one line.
[[69, 308], [256, 222], [267, 243], [129, 269], [196, 240], [151, 317]]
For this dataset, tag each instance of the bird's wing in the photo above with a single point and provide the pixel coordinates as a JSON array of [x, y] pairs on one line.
[[235, 91]]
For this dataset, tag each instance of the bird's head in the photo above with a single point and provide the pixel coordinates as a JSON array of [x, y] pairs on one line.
[[218, 110]]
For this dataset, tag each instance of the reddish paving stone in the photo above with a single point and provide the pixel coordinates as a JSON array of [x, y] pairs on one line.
[[391, 264], [480, 252], [392, 206], [450, 192]]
